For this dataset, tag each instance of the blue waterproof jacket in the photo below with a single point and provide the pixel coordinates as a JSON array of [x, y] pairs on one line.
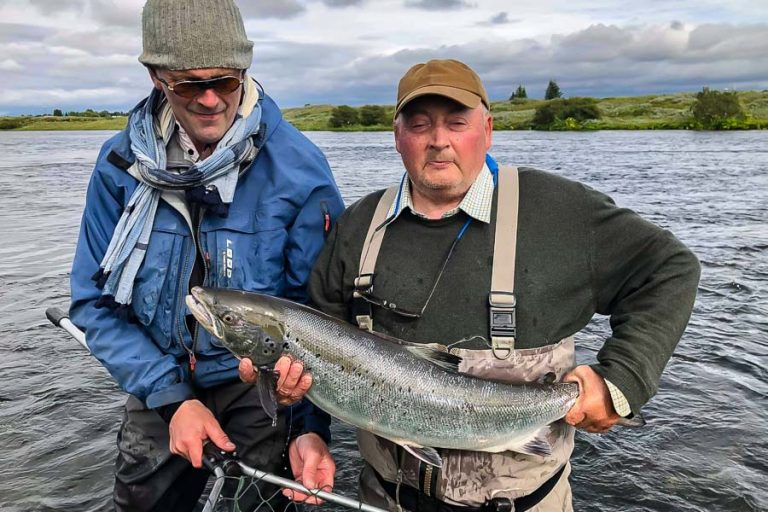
[[268, 242]]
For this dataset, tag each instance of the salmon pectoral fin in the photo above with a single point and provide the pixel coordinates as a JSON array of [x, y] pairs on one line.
[[266, 386], [425, 454], [536, 445]]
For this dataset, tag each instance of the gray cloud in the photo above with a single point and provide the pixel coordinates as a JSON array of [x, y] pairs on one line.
[[343, 3], [298, 73], [438, 5], [16, 32], [98, 68], [501, 18], [116, 41], [597, 61], [121, 14], [725, 41], [597, 43], [282, 9], [56, 6], [10, 65], [605, 61]]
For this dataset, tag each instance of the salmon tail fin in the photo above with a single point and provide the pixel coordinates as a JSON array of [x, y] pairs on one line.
[[635, 421]]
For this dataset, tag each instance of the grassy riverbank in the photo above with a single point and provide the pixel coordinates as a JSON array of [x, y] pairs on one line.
[[45, 123], [653, 112]]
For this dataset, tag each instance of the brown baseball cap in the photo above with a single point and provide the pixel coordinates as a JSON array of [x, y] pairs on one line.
[[449, 78]]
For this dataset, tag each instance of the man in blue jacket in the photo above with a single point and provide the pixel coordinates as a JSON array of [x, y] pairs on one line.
[[206, 186]]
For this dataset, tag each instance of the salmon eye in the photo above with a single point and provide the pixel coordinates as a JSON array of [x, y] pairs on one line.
[[228, 318]]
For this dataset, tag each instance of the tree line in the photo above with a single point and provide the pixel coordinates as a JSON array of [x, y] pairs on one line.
[[712, 110], [367, 115], [553, 91], [57, 112]]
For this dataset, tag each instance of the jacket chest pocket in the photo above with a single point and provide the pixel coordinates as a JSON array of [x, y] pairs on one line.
[[244, 253], [156, 291]]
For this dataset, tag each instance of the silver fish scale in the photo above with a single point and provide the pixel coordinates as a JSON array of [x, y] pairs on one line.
[[381, 387]]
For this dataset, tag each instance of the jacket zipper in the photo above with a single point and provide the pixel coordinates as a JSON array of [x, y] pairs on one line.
[[184, 278], [206, 259]]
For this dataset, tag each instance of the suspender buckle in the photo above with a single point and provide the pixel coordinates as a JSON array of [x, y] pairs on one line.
[[503, 323], [364, 322], [364, 283], [362, 311]]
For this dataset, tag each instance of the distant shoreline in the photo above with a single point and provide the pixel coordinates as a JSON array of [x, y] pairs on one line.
[[652, 112]]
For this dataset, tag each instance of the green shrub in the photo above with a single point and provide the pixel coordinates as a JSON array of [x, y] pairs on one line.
[[717, 110], [565, 114], [371, 115], [343, 115], [11, 123]]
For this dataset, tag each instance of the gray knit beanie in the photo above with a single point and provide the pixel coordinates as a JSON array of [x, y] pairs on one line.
[[194, 34]]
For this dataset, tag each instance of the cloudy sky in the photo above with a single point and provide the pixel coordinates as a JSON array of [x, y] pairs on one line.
[[77, 54]]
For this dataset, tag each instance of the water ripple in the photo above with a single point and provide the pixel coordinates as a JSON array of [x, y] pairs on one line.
[[704, 446]]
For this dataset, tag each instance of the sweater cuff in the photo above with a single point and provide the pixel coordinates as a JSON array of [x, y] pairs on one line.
[[172, 394], [632, 388]]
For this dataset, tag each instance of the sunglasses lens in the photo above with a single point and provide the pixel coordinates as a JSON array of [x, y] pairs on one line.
[[186, 90], [192, 88], [226, 85]]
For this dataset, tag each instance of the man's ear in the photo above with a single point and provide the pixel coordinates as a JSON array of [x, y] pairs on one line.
[[396, 132], [155, 82], [488, 131]]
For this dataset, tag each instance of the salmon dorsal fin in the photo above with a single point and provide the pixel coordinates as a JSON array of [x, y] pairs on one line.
[[445, 360]]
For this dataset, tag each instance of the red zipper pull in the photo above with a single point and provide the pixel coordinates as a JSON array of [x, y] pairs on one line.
[[326, 217], [192, 361]]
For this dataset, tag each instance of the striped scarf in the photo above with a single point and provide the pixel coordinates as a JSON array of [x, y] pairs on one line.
[[149, 133]]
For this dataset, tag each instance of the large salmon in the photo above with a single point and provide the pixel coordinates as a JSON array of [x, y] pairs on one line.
[[408, 393]]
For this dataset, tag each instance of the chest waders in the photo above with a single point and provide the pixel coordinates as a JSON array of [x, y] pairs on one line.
[[492, 482]]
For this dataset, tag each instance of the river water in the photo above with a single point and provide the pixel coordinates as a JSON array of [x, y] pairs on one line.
[[705, 447]]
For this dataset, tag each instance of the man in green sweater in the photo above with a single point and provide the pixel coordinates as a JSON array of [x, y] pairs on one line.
[[504, 275]]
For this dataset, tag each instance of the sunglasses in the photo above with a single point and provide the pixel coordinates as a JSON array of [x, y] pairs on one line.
[[391, 306], [369, 297], [193, 88]]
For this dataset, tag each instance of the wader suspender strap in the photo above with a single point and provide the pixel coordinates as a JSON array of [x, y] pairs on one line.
[[361, 309], [503, 323]]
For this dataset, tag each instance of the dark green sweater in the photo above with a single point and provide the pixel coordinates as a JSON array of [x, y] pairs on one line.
[[578, 254]]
